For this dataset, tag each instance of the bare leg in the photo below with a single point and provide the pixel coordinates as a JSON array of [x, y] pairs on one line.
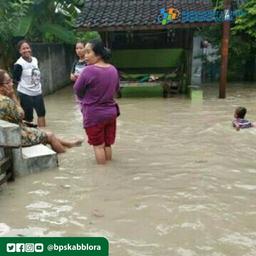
[[55, 143], [108, 153], [99, 152], [71, 144], [41, 121]]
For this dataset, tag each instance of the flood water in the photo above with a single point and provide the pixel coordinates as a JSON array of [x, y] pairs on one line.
[[182, 183]]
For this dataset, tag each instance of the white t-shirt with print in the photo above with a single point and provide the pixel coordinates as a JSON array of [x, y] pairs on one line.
[[30, 78]]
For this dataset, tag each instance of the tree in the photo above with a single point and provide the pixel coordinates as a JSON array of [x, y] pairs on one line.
[[51, 21], [11, 12], [37, 21], [54, 21], [246, 23], [245, 29], [242, 48]]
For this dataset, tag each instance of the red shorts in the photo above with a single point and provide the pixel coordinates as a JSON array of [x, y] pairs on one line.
[[103, 133]]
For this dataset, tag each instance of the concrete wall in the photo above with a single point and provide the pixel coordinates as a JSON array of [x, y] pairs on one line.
[[55, 61]]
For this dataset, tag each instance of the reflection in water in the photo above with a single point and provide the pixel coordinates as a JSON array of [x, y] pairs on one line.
[[182, 181]]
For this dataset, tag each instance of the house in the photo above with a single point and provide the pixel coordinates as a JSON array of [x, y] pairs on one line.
[[133, 27]]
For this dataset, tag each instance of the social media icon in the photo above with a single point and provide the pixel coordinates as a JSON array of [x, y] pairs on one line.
[[20, 247], [30, 247], [39, 247], [10, 247]]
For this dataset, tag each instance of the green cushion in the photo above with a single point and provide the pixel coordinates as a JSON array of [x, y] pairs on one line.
[[133, 77], [147, 58]]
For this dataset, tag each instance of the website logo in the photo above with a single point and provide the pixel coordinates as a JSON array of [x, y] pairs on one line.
[[168, 16], [172, 14]]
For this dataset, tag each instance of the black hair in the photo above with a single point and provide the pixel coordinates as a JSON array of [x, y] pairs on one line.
[[21, 42], [2, 75], [99, 49], [81, 42], [240, 112]]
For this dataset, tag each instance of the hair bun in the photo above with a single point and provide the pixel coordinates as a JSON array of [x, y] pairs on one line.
[[107, 54], [99, 49]]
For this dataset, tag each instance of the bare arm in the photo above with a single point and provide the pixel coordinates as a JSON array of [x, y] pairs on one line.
[[73, 77], [236, 125]]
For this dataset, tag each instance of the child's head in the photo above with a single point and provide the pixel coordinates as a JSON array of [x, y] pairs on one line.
[[240, 112]]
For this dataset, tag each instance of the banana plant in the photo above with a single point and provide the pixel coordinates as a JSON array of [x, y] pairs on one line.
[[11, 13], [247, 22], [52, 20], [35, 20]]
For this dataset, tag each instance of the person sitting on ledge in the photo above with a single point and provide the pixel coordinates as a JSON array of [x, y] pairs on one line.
[[11, 111]]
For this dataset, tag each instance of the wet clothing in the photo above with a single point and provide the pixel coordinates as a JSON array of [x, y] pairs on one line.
[[11, 112], [103, 133], [242, 123], [29, 103], [96, 87], [27, 75]]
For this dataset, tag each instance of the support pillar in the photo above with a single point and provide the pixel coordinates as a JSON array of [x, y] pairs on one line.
[[224, 50]]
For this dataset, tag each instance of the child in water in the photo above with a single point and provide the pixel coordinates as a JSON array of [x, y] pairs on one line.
[[239, 122]]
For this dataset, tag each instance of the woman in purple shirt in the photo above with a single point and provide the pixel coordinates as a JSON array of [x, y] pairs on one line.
[[96, 87]]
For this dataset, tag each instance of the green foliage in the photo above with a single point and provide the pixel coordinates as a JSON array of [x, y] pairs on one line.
[[247, 22], [87, 36], [242, 44], [57, 32], [38, 21], [54, 21], [11, 14], [22, 28]]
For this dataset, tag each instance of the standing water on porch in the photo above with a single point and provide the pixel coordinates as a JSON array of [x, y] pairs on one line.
[[182, 183]]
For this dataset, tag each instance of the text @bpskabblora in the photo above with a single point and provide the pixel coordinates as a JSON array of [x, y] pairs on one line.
[[73, 247]]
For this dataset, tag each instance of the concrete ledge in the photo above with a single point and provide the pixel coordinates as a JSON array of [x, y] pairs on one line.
[[9, 134], [22, 160], [36, 151], [33, 159]]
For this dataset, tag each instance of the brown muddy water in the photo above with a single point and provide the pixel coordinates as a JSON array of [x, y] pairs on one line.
[[182, 183]]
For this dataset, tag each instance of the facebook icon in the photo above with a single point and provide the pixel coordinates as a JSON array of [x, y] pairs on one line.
[[20, 247]]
